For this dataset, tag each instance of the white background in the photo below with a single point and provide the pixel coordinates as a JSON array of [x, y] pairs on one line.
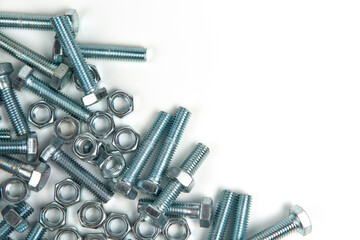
[[273, 87]]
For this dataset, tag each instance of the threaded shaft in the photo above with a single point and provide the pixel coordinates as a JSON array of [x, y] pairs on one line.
[[11, 165], [277, 231], [27, 56], [36, 233], [222, 215], [18, 146], [5, 133], [25, 21], [146, 148], [82, 176], [57, 98], [111, 52], [169, 194], [63, 29], [195, 159], [241, 216], [170, 144]]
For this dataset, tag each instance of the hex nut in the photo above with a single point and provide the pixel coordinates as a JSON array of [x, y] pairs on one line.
[[132, 145], [139, 235], [110, 233], [13, 218], [94, 236], [39, 177], [206, 211], [123, 111], [46, 222], [303, 218], [104, 129], [87, 147], [111, 163], [22, 190], [91, 223], [124, 188], [49, 116], [94, 72], [59, 187], [94, 97], [71, 231], [67, 138], [178, 221], [184, 178], [61, 76]]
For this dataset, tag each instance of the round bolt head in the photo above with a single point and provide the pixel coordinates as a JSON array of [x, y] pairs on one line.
[[182, 177], [39, 177], [22, 76], [124, 188], [94, 97], [47, 153], [13, 218], [32, 146], [6, 68], [303, 219], [61, 76], [148, 187], [206, 210]]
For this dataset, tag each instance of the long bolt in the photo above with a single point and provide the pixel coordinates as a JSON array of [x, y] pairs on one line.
[[124, 185], [24, 210], [35, 175], [298, 220], [26, 146], [36, 233], [5, 133], [26, 79], [60, 74], [222, 215], [151, 185], [78, 173], [241, 216], [11, 102], [92, 92]]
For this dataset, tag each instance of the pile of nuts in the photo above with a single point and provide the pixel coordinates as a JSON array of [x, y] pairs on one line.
[[102, 146]]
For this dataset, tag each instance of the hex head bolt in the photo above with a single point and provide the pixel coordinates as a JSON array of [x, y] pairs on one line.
[[11, 102], [27, 146], [87, 82], [78, 173], [24, 210], [241, 216], [222, 215], [298, 220], [125, 184], [26, 79], [181, 181], [36, 232], [151, 185], [60, 74]]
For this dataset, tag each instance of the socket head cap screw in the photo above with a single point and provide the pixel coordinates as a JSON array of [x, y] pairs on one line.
[[20, 79], [154, 216], [94, 96], [148, 187], [39, 177], [32, 146], [47, 153], [124, 188], [303, 219], [206, 209], [13, 218], [184, 178], [61, 76]]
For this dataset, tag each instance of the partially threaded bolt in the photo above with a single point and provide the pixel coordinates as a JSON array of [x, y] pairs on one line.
[[36, 233], [26, 146], [241, 216]]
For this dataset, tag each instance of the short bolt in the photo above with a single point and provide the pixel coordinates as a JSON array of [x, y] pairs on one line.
[[151, 185], [36, 233], [298, 220], [92, 92], [26, 146], [26, 79], [5, 133], [78, 173], [241, 216], [11, 102], [35, 175], [125, 184], [59, 74], [222, 215], [181, 181]]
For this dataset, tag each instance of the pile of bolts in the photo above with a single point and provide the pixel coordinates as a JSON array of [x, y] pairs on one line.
[[93, 146]]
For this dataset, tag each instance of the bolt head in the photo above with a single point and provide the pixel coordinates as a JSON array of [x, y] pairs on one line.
[[148, 187], [32, 146], [6, 68], [61, 76], [39, 177], [206, 210], [22, 76], [303, 219], [13, 218], [47, 153], [182, 177], [154, 216], [74, 18], [94, 97], [124, 188]]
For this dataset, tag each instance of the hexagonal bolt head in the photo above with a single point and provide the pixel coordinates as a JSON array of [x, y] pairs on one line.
[[13, 218], [32, 146], [5, 70], [124, 188], [206, 210], [111, 233], [47, 153], [184, 178], [44, 220], [148, 187], [24, 73], [74, 18], [115, 160], [124, 110], [94, 97], [61, 76], [94, 236], [34, 119], [303, 219], [39, 177], [154, 216], [67, 201], [93, 224]]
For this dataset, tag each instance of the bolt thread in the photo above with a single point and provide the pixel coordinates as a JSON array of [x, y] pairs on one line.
[[66, 37], [82, 176], [26, 55], [242, 210], [146, 148], [170, 144], [14, 111], [25, 21], [169, 194], [11, 165], [5, 133], [36, 233], [110, 52], [57, 98], [195, 159], [18, 146], [222, 215]]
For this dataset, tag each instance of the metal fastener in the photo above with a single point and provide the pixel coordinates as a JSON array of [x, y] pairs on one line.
[[5, 133], [14, 190], [36, 233], [70, 199], [47, 118], [182, 223], [26, 146], [53, 223], [241, 216]]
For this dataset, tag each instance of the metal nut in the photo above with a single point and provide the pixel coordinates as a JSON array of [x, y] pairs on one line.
[[116, 234], [41, 121], [111, 163], [94, 236], [60, 195], [68, 233], [127, 146], [125, 108], [20, 193], [72, 130], [177, 221], [87, 147], [94, 72], [89, 222], [60, 219], [13, 218], [182, 177], [139, 235], [101, 124]]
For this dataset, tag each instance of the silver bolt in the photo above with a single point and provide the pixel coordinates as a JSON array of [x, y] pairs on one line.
[[60, 74], [5, 133], [92, 92], [298, 220], [26, 79], [36, 233], [182, 180], [26, 146], [78, 173], [241, 216], [11, 102], [151, 185]]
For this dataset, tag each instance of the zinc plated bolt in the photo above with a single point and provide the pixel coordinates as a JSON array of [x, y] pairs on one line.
[[26, 146], [5, 133], [151, 185], [298, 220], [182, 181], [222, 215], [125, 184], [26, 79], [36, 233], [11, 102], [78, 173], [59, 74], [24, 210], [92, 92], [241, 216]]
